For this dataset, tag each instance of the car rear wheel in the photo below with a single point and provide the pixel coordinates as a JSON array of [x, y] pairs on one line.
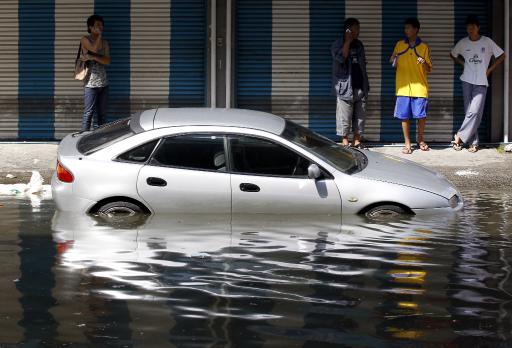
[[120, 209], [387, 210]]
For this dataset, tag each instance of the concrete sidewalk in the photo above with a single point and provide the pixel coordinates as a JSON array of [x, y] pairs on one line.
[[488, 169]]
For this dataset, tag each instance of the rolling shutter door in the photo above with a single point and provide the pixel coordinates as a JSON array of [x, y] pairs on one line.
[[189, 43], [9, 70], [253, 56], [158, 50]]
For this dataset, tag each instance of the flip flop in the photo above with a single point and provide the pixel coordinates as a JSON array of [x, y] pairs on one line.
[[358, 146], [473, 148], [456, 146], [406, 150], [423, 146]]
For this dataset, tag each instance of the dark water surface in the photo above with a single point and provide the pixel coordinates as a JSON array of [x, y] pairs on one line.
[[288, 281]]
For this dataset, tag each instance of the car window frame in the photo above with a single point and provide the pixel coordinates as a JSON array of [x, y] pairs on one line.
[[117, 159], [162, 140], [325, 174]]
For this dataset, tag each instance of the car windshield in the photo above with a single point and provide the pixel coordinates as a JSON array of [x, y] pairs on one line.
[[339, 157], [105, 136]]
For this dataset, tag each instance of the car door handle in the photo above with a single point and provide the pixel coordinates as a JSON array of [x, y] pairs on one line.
[[247, 187], [156, 182]]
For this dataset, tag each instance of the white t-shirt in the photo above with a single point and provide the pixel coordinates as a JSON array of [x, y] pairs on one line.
[[477, 55]]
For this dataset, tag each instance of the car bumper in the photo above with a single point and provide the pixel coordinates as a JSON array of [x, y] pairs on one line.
[[444, 210], [65, 200]]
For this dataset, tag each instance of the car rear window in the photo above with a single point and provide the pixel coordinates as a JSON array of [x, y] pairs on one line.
[[105, 136]]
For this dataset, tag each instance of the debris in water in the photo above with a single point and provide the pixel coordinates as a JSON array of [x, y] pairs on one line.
[[466, 173]]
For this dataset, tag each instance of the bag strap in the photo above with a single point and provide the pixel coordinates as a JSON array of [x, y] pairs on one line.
[[79, 51]]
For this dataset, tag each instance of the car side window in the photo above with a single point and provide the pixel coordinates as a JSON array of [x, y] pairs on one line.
[[263, 157], [140, 154], [192, 151]]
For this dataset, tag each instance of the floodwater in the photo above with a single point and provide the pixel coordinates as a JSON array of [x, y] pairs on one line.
[[260, 281]]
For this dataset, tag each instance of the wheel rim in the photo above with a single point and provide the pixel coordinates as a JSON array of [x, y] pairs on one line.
[[383, 213], [119, 211]]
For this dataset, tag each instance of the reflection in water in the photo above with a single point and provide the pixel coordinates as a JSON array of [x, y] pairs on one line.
[[194, 281]]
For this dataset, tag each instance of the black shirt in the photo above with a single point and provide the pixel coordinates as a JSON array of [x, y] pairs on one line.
[[356, 73]]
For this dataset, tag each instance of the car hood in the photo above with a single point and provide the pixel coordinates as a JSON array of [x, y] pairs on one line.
[[399, 171]]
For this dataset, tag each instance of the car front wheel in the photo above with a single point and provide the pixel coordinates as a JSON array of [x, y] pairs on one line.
[[386, 210]]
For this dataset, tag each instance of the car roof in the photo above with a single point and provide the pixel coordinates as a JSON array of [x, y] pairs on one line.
[[179, 117]]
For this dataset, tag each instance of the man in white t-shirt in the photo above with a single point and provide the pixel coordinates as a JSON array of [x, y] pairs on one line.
[[476, 52]]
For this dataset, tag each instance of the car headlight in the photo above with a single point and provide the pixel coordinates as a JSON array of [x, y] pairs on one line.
[[454, 201]]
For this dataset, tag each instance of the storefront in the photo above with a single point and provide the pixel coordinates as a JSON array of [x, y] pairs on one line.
[[271, 55]]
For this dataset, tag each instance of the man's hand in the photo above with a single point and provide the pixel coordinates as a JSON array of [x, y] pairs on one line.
[[349, 36], [346, 43], [85, 57]]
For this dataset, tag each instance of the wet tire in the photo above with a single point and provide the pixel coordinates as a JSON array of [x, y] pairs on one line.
[[120, 209], [385, 211]]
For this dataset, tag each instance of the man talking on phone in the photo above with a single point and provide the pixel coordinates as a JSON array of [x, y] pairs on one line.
[[350, 83]]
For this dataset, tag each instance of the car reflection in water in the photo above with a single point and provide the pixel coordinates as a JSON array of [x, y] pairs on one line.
[[290, 271]]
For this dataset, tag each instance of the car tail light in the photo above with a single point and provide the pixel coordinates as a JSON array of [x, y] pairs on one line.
[[63, 174], [62, 247]]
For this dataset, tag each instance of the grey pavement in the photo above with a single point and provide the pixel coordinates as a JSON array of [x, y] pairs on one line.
[[488, 169]]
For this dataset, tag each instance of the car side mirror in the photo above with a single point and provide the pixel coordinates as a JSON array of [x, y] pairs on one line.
[[314, 172]]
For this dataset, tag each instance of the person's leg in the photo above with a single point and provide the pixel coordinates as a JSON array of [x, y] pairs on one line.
[[421, 130], [343, 119], [90, 97], [403, 112], [407, 136], [419, 110], [476, 101], [479, 94], [466, 96], [359, 117], [101, 106]]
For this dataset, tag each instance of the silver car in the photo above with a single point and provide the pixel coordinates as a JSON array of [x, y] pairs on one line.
[[232, 161]]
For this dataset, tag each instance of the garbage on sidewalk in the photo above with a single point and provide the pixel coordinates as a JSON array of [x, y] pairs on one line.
[[508, 148], [35, 190]]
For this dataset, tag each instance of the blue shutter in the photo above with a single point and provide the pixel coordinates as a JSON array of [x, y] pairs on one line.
[[189, 42], [253, 54]]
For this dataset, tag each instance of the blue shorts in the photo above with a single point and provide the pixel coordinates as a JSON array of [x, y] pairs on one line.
[[407, 107]]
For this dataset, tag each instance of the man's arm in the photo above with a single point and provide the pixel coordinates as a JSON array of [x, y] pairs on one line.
[[102, 59], [336, 51], [497, 62], [91, 47], [457, 60], [428, 61]]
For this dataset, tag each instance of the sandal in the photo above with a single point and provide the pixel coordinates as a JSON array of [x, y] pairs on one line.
[[457, 146], [473, 148], [358, 146], [423, 146], [406, 150]]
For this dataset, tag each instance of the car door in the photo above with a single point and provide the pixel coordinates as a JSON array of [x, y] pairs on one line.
[[187, 174], [269, 178]]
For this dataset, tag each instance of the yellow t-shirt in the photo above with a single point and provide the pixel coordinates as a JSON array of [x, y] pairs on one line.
[[411, 77]]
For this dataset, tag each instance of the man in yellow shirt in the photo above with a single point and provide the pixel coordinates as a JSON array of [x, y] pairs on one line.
[[411, 58]]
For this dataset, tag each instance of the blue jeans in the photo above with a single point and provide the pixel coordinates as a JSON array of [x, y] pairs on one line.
[[95, 102]]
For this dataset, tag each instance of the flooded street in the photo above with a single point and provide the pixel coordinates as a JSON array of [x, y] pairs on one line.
[[258, 281]]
